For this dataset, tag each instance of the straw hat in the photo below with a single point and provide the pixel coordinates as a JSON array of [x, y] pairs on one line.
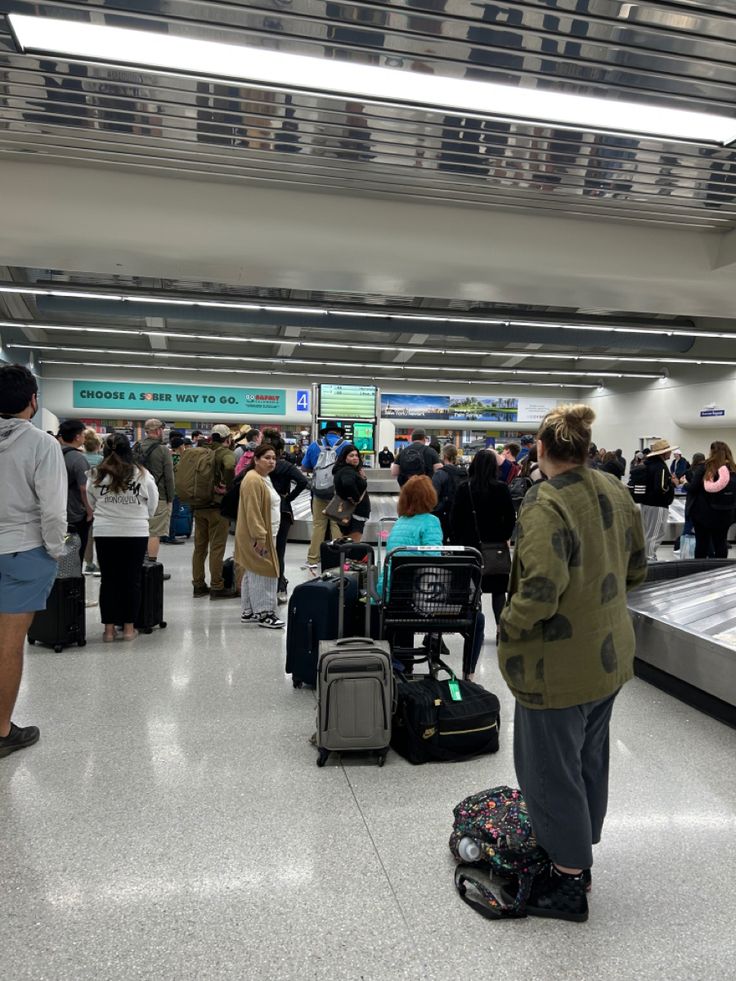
[[661, 446]]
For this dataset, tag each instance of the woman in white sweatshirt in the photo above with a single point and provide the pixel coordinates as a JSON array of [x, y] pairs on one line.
[[123, 497]]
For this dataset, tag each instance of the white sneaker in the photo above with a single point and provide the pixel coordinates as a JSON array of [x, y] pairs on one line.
[[270, 620]]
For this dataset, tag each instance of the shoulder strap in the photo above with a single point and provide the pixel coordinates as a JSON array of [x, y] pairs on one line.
[[491, 909]]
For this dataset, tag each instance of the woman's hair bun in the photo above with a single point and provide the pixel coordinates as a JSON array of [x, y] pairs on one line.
[[566, 432], [578, 413]]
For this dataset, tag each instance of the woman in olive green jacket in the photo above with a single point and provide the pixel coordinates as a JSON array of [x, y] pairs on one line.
[[567, 647]]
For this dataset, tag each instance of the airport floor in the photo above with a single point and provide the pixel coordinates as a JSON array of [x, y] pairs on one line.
[[172, 824]]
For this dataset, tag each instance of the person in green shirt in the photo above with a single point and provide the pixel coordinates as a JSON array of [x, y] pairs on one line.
[[566, 648]]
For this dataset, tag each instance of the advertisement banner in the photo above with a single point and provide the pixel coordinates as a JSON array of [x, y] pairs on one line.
[[534, 410], [484, 409], [415, 406], [154, 400]]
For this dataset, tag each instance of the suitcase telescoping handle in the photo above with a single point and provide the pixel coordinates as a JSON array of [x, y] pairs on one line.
[[382, 535], [343, 550]]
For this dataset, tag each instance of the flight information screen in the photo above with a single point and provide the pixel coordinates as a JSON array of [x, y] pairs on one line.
[[363, 436], [347, 401]]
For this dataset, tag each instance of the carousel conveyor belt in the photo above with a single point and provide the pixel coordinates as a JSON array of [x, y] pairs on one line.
[[382, 506], [686, 628]]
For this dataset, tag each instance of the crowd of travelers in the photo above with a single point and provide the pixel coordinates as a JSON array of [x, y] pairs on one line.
[[582, 537]]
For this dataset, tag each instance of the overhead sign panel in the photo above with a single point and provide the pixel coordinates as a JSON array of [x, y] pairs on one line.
[[154, 398], [472, 408], [347, 401]]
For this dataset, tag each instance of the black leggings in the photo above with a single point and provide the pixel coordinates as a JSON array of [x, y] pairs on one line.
[[121, 571], [283, 533], [711, 543], [498, 601]]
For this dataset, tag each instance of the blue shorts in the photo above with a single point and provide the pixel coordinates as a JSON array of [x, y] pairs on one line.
[[26, 579]]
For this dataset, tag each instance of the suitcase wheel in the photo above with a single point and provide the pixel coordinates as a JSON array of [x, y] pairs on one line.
[[162, 624], [31, 642], [148, 630], [295, 681], [81, 643], [381, 759], [58, 648], [322, 758]]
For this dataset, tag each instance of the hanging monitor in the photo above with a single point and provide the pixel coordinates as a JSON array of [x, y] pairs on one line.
[[347, 401]]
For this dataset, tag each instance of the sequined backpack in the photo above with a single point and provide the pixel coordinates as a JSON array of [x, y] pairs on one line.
[[498, 822]]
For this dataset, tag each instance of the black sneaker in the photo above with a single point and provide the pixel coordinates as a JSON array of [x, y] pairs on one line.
[[558, 896], [249, 618], [18, 738], [218, 594], [270, 620], [511, 887], [200, 590]]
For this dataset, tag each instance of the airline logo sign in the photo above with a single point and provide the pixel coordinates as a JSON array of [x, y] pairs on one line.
[[229, 401]]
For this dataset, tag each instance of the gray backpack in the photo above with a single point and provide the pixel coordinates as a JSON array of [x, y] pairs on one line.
[[323, 482]]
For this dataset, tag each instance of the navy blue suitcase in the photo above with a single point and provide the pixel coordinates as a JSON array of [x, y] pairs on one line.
[[314, 615], [182, 521]]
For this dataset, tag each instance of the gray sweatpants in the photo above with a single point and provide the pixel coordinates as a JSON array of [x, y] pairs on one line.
[[561, 760], [654, 521]]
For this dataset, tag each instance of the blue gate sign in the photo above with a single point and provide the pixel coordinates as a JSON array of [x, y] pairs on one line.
[[302, 401]]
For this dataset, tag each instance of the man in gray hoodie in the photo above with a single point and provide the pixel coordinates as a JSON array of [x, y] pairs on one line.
[[33, 490]]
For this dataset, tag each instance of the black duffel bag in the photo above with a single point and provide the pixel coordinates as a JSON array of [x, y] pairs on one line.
[[430, 725]]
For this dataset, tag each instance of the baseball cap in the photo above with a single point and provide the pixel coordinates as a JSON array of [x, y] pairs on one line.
[[222, 431]]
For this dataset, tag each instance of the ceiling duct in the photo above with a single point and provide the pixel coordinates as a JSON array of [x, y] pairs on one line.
[[335, 321]]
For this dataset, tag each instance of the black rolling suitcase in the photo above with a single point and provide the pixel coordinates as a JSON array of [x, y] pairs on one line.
[[331, 553], [63, 622], [151, 612], [228, 573], [314, 615], [430, 725]]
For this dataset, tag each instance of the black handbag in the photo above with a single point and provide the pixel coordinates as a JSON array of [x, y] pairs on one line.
[[496, 555]]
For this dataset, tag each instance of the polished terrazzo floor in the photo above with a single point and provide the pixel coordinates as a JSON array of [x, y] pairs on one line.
[[172, 824]]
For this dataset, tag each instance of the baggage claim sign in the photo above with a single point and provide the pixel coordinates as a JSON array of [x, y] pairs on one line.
[[152, 398]]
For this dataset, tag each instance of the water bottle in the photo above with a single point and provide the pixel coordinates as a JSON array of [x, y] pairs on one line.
[[468, 849]]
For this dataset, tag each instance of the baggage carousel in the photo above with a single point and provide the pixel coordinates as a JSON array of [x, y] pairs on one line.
[[382, 506], [686, 638]]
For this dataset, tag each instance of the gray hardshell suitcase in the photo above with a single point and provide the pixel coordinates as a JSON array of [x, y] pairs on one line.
[[355, 692]]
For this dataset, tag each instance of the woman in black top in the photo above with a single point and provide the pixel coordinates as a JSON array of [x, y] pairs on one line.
[[494, 518], [351, 485], [288, 482]]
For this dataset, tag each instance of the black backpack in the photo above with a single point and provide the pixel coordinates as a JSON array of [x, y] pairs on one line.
[[638, 477], [724, 500], [411, 463], [518, 487], [231, 498]]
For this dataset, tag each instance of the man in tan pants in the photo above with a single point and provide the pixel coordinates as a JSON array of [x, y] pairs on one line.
[[319, 529], [331, 437]]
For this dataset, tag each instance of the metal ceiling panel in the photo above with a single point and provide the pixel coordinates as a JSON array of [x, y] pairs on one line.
[[673, 54]]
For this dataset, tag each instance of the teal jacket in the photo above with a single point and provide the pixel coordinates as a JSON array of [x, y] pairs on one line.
[[422, 529]]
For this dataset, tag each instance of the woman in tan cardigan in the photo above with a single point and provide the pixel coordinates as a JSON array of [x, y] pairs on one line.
[[259, 516]]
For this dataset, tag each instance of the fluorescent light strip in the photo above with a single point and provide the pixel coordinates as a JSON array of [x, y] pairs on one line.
[[296, 342], [119, 45], [434, 369], [235, 371], [267, 308]]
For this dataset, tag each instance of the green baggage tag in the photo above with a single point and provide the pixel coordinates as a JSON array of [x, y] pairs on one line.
[[455, 693]]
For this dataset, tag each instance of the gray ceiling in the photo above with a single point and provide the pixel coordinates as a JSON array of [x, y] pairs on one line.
[[673, 54]]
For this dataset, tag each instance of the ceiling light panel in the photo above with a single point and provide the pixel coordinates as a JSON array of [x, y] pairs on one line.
[[118, 45]]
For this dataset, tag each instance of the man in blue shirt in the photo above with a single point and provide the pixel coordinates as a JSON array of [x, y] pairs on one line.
[[331, 435], [526, 443]]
